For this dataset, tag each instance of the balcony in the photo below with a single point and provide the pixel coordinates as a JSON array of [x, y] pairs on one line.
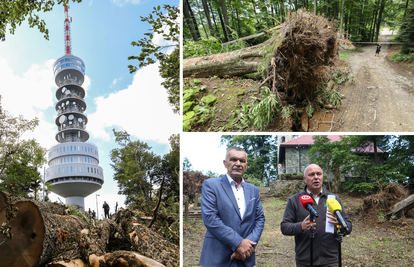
[[69, 81]]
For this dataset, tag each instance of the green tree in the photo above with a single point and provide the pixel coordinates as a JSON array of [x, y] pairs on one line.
[[14, 12], [133, 165], [348, 157], [187, 166], [261, 154], [19, 159], [169, 168], [406, 32], [168, 26]]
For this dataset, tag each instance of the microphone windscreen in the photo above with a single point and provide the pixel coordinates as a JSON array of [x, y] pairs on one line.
[[305, 200], [333, 205]]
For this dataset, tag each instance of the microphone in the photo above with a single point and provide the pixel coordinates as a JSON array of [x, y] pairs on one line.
[[335, 208], [307, 203]]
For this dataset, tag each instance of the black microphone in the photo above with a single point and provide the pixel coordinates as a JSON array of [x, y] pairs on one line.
[[307, 203]]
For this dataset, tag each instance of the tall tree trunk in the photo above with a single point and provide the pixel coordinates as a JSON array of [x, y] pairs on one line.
[[225, 17], [223, 26], [379, 19], [314, 7], [342, 16], [207, 12], [192, 25], [405, 10], [214, 19], [254, 10]]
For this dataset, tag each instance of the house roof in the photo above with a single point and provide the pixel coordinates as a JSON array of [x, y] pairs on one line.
[[306, 140]]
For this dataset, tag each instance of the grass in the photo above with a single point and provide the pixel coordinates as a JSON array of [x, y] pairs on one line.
[[343, 55], [381, 244]]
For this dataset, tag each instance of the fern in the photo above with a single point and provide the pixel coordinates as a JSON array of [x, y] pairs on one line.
[[263, 111], [335, 98], [310, 109]]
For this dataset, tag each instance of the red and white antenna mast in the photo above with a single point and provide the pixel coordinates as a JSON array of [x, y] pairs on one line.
[[68, 45]]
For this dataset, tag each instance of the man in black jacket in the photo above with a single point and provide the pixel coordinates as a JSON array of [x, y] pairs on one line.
[[296, 222], [105, 206]]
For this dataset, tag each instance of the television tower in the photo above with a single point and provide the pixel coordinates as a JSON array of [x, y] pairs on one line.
[[73, 162]]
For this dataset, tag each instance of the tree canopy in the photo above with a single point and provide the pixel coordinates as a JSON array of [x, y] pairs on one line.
[[168, 55], [14, 12], [229, 20], [139, 171], [261, 154], [19, 158], [349, 158]]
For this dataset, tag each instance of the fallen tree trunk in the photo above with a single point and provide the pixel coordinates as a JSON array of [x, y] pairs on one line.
[[233, 63], [147, 242], [403, 206], [49, 207], [39, 238]]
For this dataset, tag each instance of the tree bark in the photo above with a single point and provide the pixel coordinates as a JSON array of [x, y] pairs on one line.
[[233, 63], [192, 25], [379, 19], [207, 12], [225, 17], [40, 237]]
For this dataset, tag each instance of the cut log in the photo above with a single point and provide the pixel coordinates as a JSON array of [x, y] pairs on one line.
[[147, 242], [115, 259], [37, 236], [404, 205], [48, 207]]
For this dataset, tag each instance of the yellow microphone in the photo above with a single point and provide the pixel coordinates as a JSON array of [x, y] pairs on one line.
[[335, 208]]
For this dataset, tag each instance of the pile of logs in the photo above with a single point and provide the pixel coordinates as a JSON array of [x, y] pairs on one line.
[[43, 234]]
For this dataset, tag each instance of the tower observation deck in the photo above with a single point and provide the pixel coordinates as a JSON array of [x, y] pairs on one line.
[[73, 162]]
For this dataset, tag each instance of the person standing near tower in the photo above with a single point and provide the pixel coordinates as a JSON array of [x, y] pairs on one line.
[[106, 209]]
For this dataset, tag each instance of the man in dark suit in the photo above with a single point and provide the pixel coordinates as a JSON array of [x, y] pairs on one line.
[[233, 215]]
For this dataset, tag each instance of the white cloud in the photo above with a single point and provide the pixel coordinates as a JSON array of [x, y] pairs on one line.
[[123, 2], [30, 95], [142, 110]]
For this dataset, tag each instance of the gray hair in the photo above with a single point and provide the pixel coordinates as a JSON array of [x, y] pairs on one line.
[[304, 172], [234, 148]]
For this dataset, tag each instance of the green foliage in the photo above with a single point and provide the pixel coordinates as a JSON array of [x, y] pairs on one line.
[[406, 32], [339, 78], [196, 111], [265, 109], [74, 211], [19, 159], [401, 57], [139, 171], [334, 98], [204, 47], [168, 26], [187, 166], [14, 12], [255, 181]]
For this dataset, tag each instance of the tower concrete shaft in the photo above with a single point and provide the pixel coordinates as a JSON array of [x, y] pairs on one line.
[[73, 162]]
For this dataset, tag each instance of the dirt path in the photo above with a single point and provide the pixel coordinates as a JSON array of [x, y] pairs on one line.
[[381, 99]]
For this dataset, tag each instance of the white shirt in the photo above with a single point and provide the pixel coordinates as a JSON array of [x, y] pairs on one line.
[[238, 194]]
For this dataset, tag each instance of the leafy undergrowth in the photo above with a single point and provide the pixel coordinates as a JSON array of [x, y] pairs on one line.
[[343, 55], [373, 242]]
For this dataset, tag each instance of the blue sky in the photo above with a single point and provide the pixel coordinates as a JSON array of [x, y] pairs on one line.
[[101, 33]]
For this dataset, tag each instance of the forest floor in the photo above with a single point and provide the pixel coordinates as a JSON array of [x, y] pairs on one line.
[[382, 97], [373, 241]]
